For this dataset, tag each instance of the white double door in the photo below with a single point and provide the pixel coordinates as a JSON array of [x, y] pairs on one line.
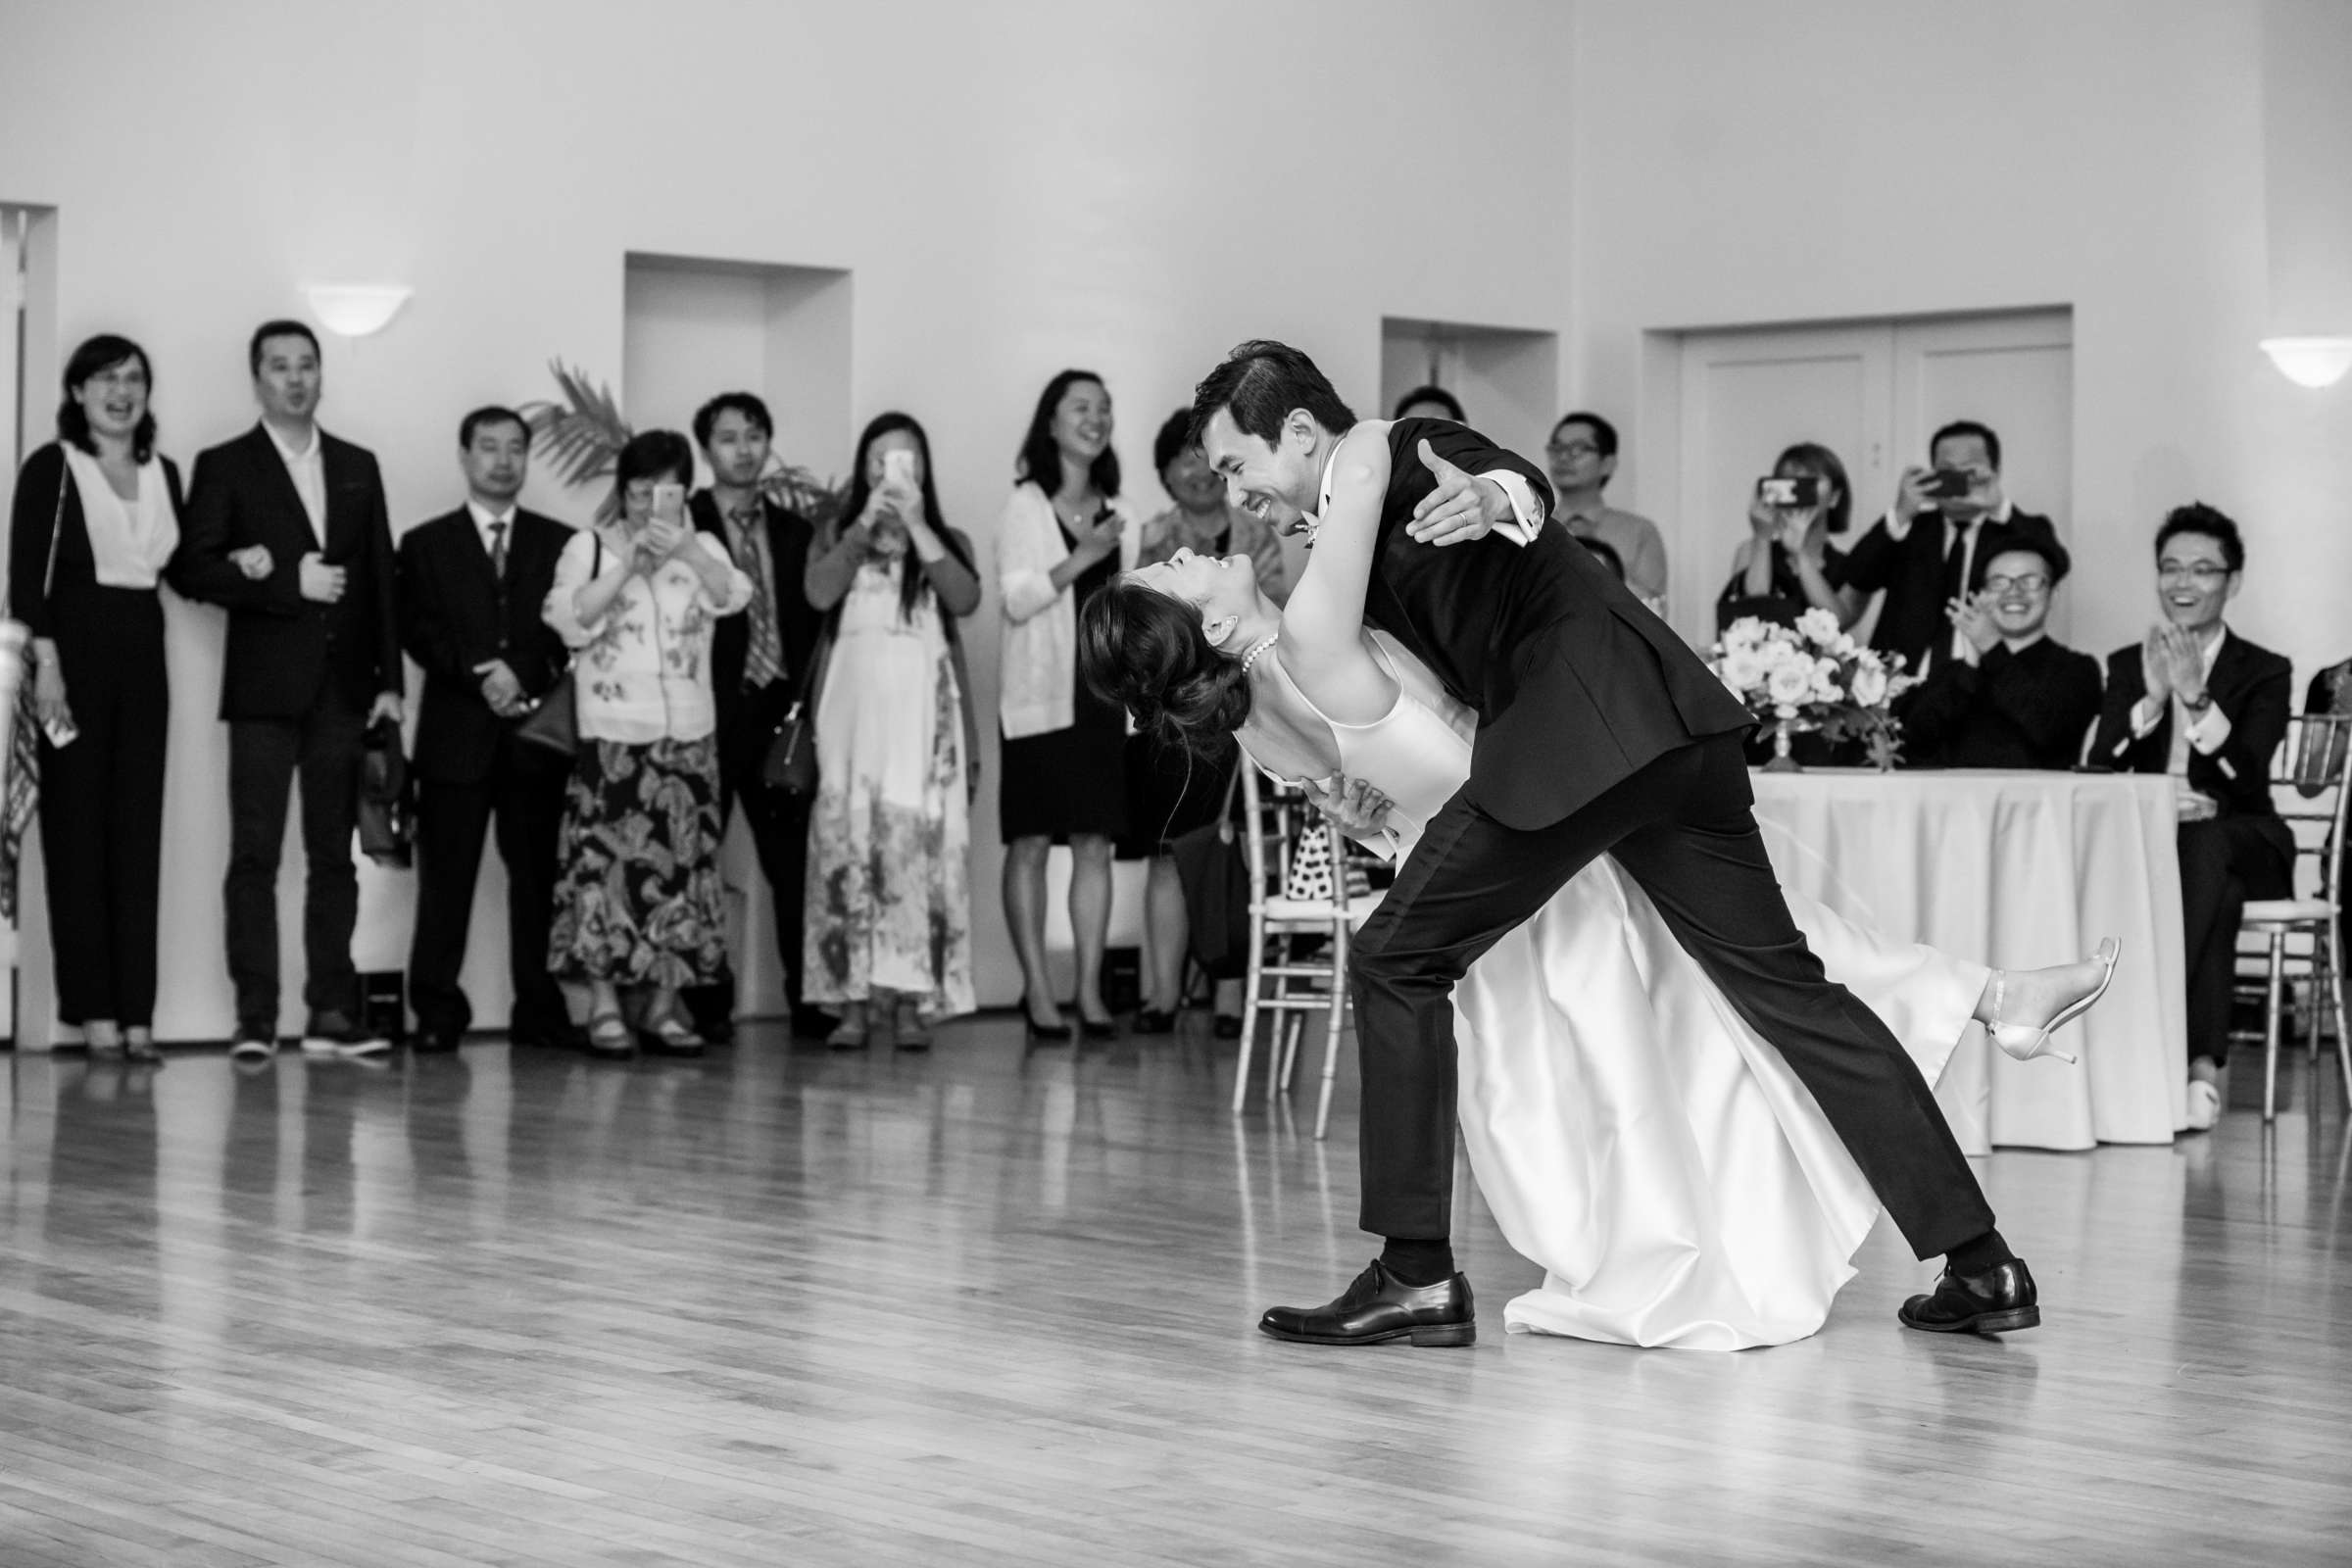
[[1872, 392]]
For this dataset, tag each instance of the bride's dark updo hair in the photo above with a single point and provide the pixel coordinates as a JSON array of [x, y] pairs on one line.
[[1144, 651]]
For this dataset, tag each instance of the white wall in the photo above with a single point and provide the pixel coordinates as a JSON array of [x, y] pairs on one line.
[[1015, 187], [1747, 164]]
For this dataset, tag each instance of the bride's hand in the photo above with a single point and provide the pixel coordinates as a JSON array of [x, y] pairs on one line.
[[1359, 810]]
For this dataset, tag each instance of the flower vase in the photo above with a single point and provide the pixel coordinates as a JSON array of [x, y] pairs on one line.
[[1783, 730]]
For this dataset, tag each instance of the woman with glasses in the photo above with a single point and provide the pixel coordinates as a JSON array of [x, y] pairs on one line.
[[2015, 697]]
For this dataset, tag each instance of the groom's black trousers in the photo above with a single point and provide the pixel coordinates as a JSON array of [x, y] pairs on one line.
[[1684, 829]]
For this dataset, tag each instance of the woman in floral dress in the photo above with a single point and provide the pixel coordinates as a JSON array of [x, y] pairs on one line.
[[889, 924]]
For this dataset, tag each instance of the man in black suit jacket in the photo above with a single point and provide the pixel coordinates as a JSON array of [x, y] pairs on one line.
[[2015, 697], [471, 587], [1932, 548], [286, 530], [756, 662], [1599, 732], [2194, 700]]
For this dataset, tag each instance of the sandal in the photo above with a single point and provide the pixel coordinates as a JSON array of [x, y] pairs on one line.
[[673, 1037], [609, 1035], [912, 1036], [850, 1033]]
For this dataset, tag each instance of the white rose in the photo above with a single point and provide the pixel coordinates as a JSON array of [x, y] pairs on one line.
[[1826, 687], [1745, 632], [1742, 672], [1869, 683], [1819, 625], [1791, 683]]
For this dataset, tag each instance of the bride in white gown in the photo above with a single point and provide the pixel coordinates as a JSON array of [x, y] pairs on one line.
[[1628, 1130]]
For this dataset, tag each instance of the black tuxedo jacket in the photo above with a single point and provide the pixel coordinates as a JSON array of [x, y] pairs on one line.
[[1911, 570], [2251, 686], [283, 650], [2023, 710], [455, 614], [1576, 685], [787, 536]]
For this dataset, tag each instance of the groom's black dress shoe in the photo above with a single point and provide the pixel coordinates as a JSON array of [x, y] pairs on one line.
[[1378, 1307], [1998, 1300]]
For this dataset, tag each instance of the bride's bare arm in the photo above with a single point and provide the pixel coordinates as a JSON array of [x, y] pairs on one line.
[[1323, 644]]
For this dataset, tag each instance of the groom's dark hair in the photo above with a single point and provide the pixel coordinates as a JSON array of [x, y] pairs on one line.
[[1259, 383]]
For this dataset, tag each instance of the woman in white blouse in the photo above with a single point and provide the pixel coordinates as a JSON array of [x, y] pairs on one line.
[[639, 908], [95, 520], [1063, 539]]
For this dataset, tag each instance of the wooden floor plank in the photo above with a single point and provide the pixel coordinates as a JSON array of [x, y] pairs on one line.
[[995, 1305]]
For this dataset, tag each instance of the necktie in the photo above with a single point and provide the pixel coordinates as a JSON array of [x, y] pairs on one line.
[[498, 551], [763, 660]]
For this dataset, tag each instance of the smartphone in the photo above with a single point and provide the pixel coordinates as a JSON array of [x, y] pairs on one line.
[[1801, 491], [669, 502], [1951, 484], [898, 466]]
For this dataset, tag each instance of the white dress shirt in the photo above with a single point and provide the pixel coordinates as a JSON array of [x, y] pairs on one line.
[[1899, 528], [2207, 733], [309, 472], [483, 518]]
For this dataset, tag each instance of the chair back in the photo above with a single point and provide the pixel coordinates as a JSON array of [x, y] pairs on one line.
[[1279, 827], [2308, 783]]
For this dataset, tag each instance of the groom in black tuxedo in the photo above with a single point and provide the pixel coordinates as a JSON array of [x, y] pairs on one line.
[[1599, 732]]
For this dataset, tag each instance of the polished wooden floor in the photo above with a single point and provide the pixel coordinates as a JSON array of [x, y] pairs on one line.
[[994, 1306]]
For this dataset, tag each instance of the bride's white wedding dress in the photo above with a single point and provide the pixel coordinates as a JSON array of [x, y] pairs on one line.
[[1630, 1132]]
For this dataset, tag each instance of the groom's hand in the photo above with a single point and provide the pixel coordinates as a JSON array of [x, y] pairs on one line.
[[1361, 810], [1462, 508]]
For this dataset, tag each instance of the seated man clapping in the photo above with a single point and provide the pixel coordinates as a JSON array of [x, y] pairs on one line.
[[2015, 697]]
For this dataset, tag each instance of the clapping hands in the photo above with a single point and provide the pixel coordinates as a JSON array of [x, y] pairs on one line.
[[2171, 664]]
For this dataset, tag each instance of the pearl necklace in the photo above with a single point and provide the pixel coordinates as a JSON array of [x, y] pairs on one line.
[[1258, 647]]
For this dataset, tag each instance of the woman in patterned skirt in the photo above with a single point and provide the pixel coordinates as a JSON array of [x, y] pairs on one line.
[[639, 908], [889, 929]]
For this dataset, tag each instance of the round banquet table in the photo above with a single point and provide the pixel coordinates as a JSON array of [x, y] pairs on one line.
[[2018, 869]]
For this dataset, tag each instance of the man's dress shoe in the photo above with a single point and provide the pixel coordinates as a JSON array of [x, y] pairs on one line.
[[1378, 1307], [434, 1042], [1999, 1300]]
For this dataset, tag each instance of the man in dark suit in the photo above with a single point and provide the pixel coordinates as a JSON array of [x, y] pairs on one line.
[[1948, 522], [2015, 697], [1599, 732], [286, 530], [2195, 700], [756, 662], [471, 584]]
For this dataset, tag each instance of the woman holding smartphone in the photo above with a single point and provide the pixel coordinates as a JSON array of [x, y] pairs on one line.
[[639, 911], [1777, 572], [1063, 539], [889, 929], [96, 517]]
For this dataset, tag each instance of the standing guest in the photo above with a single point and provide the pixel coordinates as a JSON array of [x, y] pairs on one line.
[[1426, 403], [756, 662], [1948, 522], [96, 519], [1581, 455], [1063, 537], [638, 902], [2015, 697], [890, 922], [1169, 790], [471, 584], [287, 532], [1776, 573], [2195, 700]]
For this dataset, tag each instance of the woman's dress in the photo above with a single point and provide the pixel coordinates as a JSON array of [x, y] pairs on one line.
[[1630, 1132]]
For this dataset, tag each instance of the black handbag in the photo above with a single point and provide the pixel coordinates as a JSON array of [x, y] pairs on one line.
[[556, 722], [1214, 872], [387, 805], [791, 762]]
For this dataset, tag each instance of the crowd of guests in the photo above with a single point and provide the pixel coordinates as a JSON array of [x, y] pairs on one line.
[[709, 640]]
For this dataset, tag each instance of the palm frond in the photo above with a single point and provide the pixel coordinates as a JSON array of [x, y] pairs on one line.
[[800, 490], [580, 436]]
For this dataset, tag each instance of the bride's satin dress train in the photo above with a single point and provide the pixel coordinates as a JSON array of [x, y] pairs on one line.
[[1630, 1132]]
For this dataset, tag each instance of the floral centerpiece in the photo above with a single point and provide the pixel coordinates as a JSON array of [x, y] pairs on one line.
[[1812, 675]]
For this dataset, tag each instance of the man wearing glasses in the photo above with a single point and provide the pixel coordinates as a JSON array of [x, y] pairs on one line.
[[1581, 455], [2194, 700], [2015, 697]]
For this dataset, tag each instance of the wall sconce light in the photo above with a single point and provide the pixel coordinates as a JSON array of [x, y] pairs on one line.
[[2313, 361], [356, 310]]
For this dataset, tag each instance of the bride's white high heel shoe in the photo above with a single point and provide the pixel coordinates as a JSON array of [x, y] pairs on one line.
[[2024, 1041]]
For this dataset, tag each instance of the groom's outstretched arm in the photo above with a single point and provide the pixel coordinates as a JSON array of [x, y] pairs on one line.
[[1473, 486]]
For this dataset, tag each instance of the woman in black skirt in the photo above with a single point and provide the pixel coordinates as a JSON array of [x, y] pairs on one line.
[[95, 520], [1063, 536]]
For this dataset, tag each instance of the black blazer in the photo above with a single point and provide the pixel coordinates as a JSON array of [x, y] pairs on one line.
[[32, 518], [2251, 686], [2025, 710], [283, 650], [1576, 684], [455, 614], [787, 536], [1911, 570]]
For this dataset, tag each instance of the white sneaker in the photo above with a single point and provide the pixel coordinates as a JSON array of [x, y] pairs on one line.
[[2204, 1104], [253, 1048]]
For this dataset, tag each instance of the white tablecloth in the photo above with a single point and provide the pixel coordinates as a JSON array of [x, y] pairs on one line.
[[2016, 869]]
